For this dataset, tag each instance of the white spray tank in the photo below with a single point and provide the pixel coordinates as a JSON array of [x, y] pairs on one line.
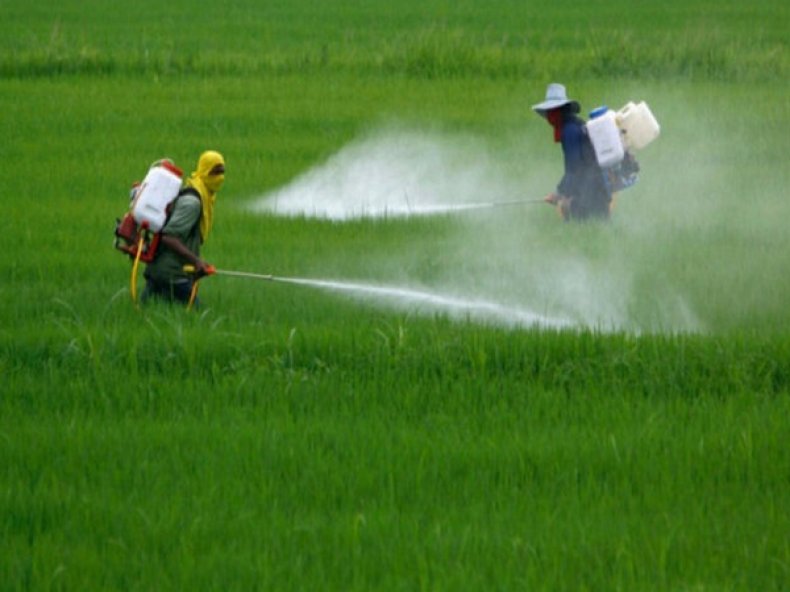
[[638, 125], [605, 137], [160, 187]]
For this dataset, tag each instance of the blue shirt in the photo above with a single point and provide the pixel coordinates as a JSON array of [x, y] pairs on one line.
[[583, 179]]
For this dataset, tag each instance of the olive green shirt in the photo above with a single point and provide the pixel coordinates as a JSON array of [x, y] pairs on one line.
[[183, 224]]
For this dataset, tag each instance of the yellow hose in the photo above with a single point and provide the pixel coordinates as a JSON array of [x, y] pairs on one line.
[[134, 269], [192, 295]]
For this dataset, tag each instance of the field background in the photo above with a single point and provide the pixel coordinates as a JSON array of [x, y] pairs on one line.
[[288, 438]]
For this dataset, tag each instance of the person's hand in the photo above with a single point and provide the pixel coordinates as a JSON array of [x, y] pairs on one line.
[[561, 202], [552, 198], [203, 269]]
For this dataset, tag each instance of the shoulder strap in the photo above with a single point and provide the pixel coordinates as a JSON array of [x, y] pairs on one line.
[[172, 205], [188, 190], [588, 152], [183, 191]]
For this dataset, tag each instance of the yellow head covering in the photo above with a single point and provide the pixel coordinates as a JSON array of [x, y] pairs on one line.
[[207, 184]]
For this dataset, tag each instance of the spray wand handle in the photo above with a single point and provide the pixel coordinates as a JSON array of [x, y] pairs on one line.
[[189, 268]]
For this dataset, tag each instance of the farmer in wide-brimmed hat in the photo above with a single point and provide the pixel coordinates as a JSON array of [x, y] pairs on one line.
[[582, 192]]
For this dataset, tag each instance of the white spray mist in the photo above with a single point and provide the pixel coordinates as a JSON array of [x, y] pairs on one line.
[[514, 260]]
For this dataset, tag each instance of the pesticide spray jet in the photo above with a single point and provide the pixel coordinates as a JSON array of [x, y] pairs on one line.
[[458, 307]]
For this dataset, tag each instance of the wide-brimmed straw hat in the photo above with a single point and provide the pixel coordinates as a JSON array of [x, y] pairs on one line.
[[555, 97]]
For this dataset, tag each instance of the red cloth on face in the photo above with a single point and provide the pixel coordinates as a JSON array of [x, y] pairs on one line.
[[555, 119]]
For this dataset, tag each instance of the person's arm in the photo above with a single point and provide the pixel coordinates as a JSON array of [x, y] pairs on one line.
[[174, 244], [181, 224]]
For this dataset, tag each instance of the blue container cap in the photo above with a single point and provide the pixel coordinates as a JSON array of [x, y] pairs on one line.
[[598, 111]]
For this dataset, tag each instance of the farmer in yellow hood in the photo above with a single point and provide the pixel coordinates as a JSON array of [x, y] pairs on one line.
[[187, 228]]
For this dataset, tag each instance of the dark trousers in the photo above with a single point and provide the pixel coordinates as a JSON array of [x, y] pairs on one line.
[[176, 291], [584, 209]]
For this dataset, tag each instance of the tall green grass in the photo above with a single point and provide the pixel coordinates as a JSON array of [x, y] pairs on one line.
[[286, 438], [508, 40]]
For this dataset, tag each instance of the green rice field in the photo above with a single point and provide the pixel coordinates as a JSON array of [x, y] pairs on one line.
[[403, 425]]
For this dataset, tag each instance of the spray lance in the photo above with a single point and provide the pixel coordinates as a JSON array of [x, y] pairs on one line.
[[466, 207], [211, 270]]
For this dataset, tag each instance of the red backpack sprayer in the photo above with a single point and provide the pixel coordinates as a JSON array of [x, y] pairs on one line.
[[137, 234]]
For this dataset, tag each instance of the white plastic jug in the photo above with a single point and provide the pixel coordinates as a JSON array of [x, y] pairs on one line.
[[638, 125], [160, 186], [605, 137]]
